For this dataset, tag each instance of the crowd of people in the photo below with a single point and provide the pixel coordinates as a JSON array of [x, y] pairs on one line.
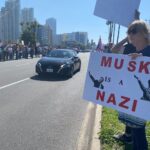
[[18, 51]]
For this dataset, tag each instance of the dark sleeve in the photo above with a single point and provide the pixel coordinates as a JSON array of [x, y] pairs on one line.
[[141, 86], [145, 51], [92, 77], [128, 49]]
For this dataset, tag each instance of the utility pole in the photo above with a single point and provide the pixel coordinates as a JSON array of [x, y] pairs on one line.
[[110, 32], [114, 28], [118, 33]]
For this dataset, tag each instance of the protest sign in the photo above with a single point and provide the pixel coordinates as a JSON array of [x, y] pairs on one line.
[[118, 11], [118, 82]]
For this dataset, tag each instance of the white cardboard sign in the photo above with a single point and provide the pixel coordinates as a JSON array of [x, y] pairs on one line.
[[118, 82], [118, 11]]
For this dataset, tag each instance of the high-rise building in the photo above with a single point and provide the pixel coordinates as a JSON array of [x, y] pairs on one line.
[[51, 22], [10, 21], [44, 35], [79, 37], [27, 15]]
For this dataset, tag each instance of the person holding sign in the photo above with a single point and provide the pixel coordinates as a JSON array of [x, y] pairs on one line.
[[139, 35], [126, 48]]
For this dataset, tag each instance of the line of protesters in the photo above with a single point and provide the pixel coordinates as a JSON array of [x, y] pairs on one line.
[[18, 51]]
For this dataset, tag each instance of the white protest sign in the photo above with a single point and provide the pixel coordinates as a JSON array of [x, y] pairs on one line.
[[22, 42], [118, 11], [118, 82]]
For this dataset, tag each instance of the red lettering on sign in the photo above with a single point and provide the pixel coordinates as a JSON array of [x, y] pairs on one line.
[[111, 99], [118, 66], [134, 105], [144, 67], [125, 100], [100, 95], [132, 66], [106, 62]]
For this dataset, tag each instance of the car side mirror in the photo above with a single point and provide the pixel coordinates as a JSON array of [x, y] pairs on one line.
[[75, 57]]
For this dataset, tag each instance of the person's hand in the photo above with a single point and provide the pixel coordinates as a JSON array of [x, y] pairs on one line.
[[135, 55]]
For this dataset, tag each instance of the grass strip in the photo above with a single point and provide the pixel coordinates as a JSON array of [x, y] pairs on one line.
[[110, 125]]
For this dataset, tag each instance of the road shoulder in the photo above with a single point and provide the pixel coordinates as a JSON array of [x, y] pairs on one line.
[[88, 138], [95, 143]]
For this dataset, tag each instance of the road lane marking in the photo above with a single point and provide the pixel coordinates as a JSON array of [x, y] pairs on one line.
[[14, 83]]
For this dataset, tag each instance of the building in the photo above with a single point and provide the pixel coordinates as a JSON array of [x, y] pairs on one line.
[[51, 22], [44, 35], [10, 21], [76, 37], [27, 15], [81, 37]]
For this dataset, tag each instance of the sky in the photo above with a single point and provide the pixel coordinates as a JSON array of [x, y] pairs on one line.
[[77, 15]]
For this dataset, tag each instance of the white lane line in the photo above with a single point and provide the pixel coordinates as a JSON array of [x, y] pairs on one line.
[[14, 83]]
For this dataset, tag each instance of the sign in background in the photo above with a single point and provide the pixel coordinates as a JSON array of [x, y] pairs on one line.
[[118, 11], [120, 88]]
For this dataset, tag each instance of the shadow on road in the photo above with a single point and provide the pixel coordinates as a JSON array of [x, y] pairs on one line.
[[49, 78]]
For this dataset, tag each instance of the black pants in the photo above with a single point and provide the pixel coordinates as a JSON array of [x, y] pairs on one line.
[[128, 130], [138, 136]]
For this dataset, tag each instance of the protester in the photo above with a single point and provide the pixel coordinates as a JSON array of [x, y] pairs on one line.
[[126, 48], [139, 36], [123, 47]]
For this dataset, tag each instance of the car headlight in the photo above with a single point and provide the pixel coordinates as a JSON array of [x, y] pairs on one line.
[[62, 66], [67, 64], [39, 64]]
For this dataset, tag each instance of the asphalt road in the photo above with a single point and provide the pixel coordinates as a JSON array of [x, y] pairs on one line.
[[40, 114]]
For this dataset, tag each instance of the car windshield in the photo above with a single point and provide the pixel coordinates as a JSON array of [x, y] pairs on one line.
[[60, 54]]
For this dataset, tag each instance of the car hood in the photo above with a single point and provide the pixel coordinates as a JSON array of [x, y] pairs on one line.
[[53, 60]]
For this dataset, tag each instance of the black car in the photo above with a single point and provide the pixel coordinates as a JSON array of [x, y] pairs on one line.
[[59, 61]]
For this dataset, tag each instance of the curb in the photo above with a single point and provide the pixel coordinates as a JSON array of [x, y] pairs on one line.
[[95, 143], [88, 138]]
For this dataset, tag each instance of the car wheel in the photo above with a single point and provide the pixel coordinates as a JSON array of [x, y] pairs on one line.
[[71, 72], [79, 67], [39, 74]]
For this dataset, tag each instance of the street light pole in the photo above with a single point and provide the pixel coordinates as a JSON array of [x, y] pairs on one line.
[[118, 33], [114, 28]]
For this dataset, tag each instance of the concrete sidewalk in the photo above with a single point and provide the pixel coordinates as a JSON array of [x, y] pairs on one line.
[[88, 136]]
